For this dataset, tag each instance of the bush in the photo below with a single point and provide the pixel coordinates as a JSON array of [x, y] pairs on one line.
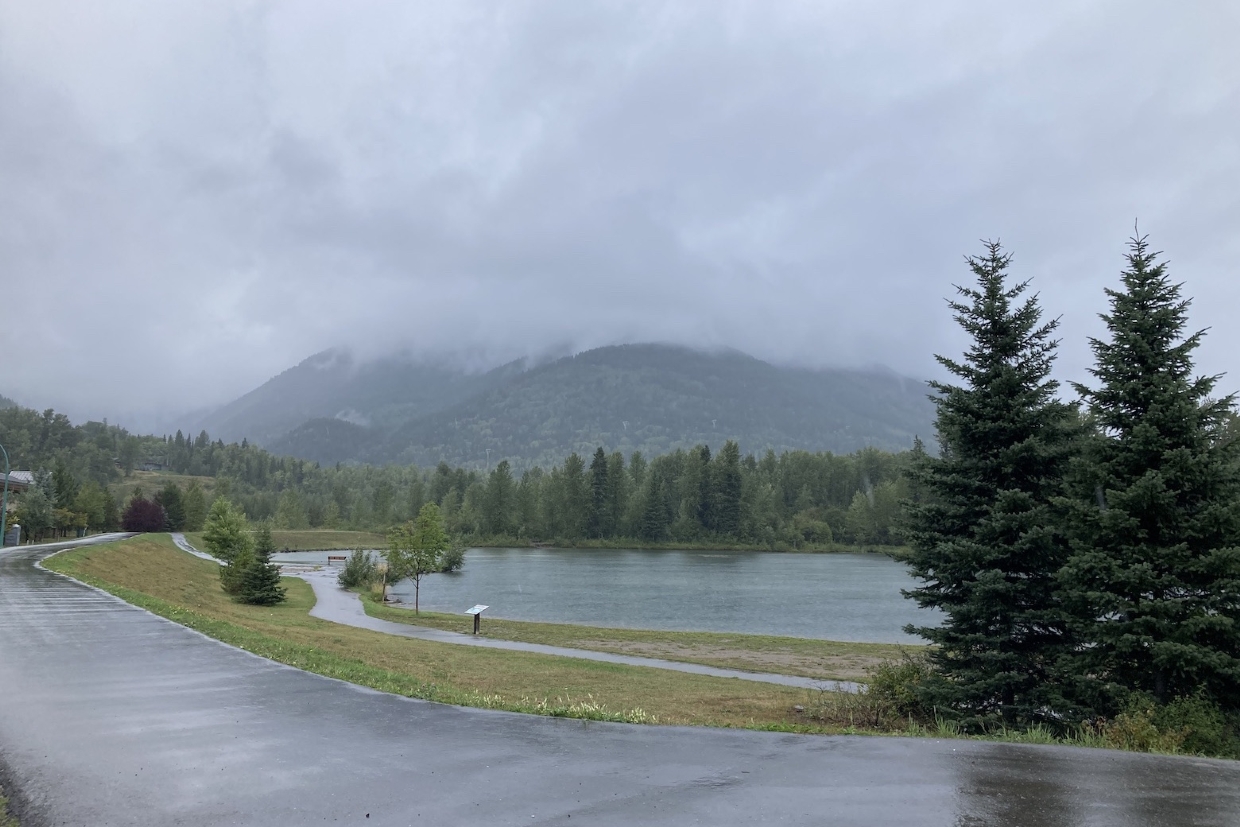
[[1201, 724], [891, 699], [143, 515], [452, 559], [1193, 724], [359, 570], [902, 685], [853, 709]]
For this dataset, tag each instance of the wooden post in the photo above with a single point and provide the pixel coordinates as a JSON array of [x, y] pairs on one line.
[[477, 622]]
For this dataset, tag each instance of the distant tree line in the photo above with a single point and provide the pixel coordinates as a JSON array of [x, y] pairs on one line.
[[794, 500]]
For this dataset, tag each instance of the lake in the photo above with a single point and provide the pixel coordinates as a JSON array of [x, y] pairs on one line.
[[853, 597]]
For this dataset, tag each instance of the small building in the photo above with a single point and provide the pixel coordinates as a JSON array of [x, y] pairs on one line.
[[19, 481]]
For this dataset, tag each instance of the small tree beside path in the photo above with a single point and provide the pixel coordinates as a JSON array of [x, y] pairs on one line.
[[415, 550]]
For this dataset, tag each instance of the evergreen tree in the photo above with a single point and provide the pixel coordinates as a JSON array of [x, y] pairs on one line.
[[617, 494], [111, 518], [727, 479], [1154, 580], [170, 499], [499, 501], [65, 486], [706, 489], [986, 548], [195, 507], [598, 507], [575, 497], [260, 580], [655, 518]]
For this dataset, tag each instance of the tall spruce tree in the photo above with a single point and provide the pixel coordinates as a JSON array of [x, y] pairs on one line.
[[985, 544], [597, 508], [1153, 584], [727, 478]]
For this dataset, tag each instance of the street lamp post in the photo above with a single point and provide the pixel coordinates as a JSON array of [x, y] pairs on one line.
[[4, 507]]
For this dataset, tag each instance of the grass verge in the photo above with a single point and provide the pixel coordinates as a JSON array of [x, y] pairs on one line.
[[6, 820], [821, 659], [150, 572], [313, 539]]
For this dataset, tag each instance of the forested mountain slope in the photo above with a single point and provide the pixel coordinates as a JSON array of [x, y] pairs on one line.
[[5, 402], [332, 384], [652, 398]]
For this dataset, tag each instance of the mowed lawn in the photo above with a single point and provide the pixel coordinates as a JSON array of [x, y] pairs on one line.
[[151, 572], [312, 539], [822, 659]]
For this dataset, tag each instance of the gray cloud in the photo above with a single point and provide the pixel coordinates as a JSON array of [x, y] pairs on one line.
[[194, 197]]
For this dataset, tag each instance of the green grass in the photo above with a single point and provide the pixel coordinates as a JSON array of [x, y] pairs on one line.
[[152, 481], [822, 659], [150, 572], [313, 539], [6, 820]]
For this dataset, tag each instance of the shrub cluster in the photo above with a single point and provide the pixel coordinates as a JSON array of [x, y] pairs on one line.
[[360, 570]]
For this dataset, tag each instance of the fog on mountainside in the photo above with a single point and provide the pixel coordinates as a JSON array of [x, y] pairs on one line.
[[652, 398], [383, 393]]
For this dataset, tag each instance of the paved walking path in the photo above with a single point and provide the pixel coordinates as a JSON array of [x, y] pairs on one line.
[[345, 607], [340, 606]]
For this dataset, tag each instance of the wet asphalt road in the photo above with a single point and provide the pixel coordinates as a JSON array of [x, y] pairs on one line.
[[111, 716]]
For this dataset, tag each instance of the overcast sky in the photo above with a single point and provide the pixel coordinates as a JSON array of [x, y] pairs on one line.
[[195, 196]]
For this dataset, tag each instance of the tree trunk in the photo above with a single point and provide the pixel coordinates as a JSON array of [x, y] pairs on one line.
[[417, 585]]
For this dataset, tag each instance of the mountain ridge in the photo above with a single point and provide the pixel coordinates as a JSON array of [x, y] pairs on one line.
[[648, 397]]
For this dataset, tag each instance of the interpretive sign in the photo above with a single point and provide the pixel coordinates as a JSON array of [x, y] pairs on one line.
[[477, 611]]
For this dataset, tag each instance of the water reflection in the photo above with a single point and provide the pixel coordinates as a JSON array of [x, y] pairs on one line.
[[829, 596], [1005, 785], [1016, 787]]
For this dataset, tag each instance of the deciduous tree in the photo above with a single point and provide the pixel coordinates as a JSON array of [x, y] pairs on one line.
[[415, 550]]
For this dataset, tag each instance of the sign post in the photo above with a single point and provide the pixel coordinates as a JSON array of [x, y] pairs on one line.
[[477, 611]]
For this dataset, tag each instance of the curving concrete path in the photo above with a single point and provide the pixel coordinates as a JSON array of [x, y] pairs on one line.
[[112, 716], [340, 606]]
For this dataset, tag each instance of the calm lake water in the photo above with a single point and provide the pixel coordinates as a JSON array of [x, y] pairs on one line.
[[828, 596]]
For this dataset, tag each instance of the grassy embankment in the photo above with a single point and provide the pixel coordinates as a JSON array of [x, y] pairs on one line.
[[821, 659], [151, 481], [313, 539], [150, 572], [6, 820]]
